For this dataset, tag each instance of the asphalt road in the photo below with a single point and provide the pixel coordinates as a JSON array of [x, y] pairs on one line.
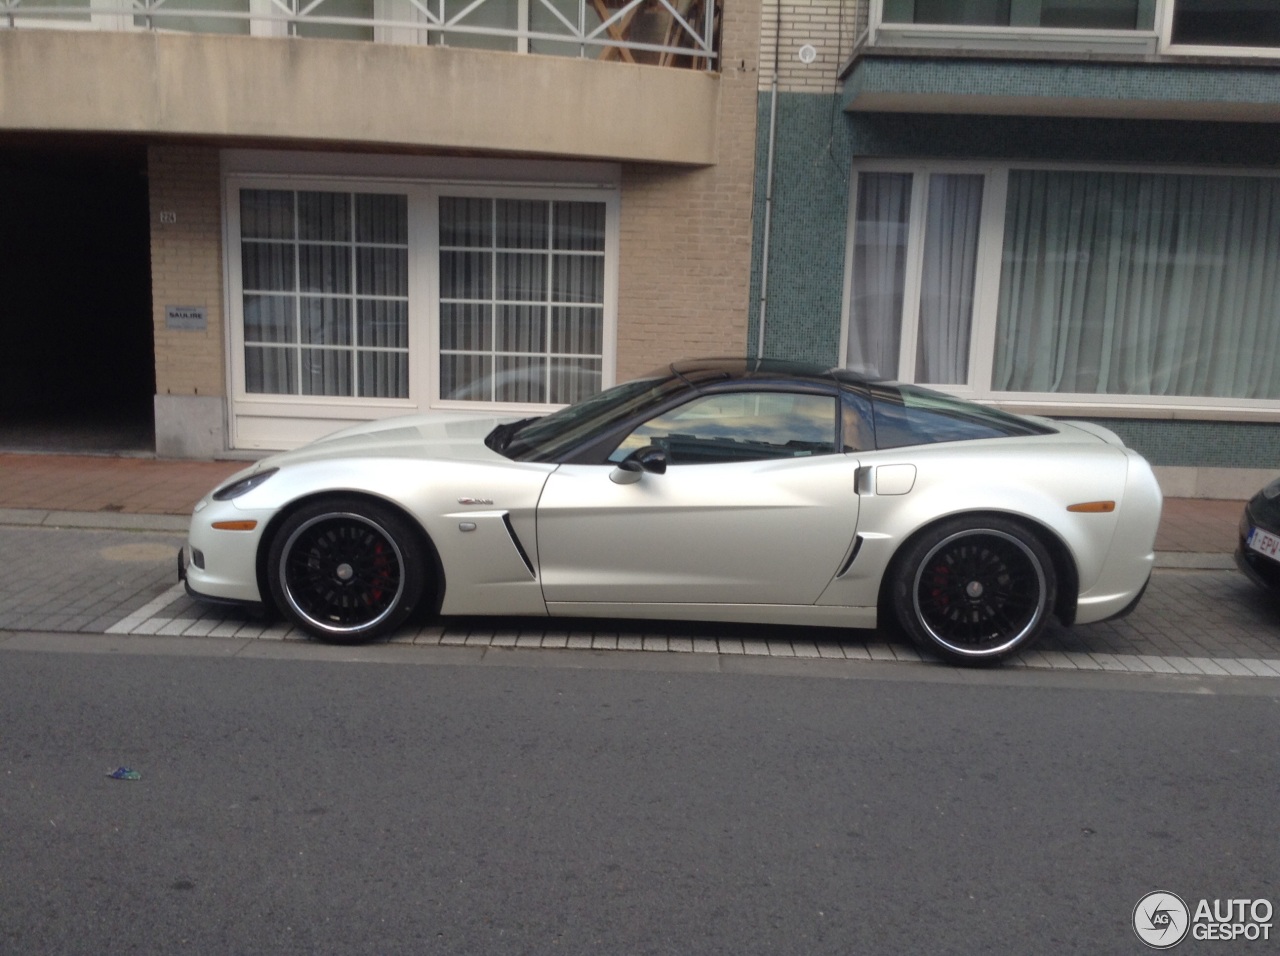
[[296, 799]]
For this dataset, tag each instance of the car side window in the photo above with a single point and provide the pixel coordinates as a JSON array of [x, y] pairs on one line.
[[739, 426], [857, 427], [909, 415]]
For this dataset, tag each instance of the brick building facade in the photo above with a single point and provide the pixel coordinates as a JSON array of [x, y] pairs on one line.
[[328, 245]]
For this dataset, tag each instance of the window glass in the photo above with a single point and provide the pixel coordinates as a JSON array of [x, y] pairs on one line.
[[1140, 284], [324, 20], [63, 11], [947, 281], [905, 415], [879, 272], [1097, 14], [325, 291], [944, 245], [196, 16], [491, 15], [857, 426], [739, 426], [560, 18], [1227, 22], [962, 12], [553, 436], [1109, 283], [1072, 14], [521, 300]]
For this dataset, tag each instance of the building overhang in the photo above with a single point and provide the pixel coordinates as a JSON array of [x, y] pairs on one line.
[[1076, 88], [300, 92]]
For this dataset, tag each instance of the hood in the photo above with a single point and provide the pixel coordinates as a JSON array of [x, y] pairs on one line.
[[431, 436]]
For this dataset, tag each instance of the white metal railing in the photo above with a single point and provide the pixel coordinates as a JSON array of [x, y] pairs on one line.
[[681, 33]]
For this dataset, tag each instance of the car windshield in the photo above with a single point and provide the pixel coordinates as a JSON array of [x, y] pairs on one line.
[[550, 437]]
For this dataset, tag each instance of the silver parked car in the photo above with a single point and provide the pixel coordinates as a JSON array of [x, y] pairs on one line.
[[722, 489]]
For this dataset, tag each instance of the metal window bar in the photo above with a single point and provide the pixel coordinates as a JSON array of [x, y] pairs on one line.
[[689, 27]]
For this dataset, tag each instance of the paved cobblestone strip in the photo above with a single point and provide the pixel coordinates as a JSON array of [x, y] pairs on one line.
[[151, 619]]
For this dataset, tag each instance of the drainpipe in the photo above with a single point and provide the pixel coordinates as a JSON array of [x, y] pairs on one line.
[[768, 184]]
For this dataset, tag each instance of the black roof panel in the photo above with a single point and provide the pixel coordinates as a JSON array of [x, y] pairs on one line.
[[703, 370]]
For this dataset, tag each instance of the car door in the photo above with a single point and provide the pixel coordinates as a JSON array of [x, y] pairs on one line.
[[757, 506]]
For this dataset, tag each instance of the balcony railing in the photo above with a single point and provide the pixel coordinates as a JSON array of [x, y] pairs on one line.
[[676, 33]]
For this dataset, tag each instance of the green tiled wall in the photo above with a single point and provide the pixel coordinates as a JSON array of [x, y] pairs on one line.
[[814, 141], [1200, 444], [815, 145], [1077, 79]]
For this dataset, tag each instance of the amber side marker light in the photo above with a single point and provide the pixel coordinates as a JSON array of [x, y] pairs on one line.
[[1094, 507], [235, 525]]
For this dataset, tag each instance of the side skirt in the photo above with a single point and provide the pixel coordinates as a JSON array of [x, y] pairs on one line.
[[857, 617]]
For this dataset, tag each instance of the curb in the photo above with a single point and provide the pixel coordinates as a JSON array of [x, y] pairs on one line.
[[94, 520]]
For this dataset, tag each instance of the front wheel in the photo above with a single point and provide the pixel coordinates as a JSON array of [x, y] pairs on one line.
[[974, 590], [346, 570]]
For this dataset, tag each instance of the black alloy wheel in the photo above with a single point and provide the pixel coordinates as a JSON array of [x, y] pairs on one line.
[[346, 570], [975, 590]]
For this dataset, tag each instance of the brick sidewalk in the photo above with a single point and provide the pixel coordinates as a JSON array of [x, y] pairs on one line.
[[125, 485], [158, 487]]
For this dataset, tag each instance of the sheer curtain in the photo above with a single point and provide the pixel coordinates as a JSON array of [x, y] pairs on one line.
[[947, 279], [521, 300], [325, 283], [945, 243], [1140, 284], [879, 269]]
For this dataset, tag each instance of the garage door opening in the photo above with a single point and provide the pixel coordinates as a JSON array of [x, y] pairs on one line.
[[77, 373]]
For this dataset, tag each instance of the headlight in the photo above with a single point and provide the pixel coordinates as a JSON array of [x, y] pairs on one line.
[[1272, 490], [243, 486]]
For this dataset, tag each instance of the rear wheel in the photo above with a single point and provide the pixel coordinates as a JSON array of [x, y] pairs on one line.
[[347, 570], [974, 590]]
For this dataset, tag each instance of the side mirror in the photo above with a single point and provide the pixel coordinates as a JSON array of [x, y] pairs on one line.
[[650, 458]]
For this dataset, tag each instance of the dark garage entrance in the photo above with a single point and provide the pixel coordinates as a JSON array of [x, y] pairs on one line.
[[77, 370]]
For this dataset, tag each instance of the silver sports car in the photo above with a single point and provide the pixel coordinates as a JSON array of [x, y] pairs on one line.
[[723, 489]]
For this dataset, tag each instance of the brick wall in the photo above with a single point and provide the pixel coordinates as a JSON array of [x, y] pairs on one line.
[[685, 249], [829, 26], [186, 267]]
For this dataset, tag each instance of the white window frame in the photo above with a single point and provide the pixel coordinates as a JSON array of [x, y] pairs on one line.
[[611, 238], [298, 405], [987, 295], [423, 182]]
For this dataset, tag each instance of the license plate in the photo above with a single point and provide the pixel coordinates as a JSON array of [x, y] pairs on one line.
[[1264, 542]]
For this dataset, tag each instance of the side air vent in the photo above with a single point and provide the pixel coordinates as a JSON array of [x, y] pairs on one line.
[[853, 553], [515, 540]]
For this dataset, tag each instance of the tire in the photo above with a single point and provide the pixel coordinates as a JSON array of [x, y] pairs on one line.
[[974, 590], [347, 570]]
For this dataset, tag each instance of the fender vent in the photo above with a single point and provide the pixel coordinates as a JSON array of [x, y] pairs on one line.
[[515, 540], [853, 553]]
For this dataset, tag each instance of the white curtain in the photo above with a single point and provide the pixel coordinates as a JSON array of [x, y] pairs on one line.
[[1140, 284], [947, 279], [946, 243], [521, 300], [879, 271], [325, 280]]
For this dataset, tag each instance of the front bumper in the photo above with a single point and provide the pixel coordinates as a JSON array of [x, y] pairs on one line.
[[1258, 568], [184, 575], [227, 567]]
